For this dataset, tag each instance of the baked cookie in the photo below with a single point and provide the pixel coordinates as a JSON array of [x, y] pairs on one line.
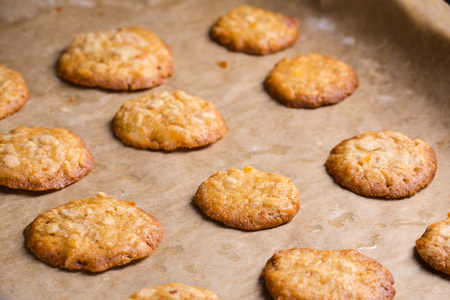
[[385, 164], [168, 120], [248, 199], [311, 81], [321, 274], [124, 59], [255, 31], [434, 245], [40, 159], [94, 234], [14, 93], [175, 291]]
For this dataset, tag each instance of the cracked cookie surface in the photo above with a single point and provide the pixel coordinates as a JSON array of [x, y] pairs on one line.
[[385, 164], [326, 274], [94, 234], [167, 121], [175, 291], [254, 30], [14, 93], [434, 245], [248, 199], [129, 58], [311, 81], [40, 159]]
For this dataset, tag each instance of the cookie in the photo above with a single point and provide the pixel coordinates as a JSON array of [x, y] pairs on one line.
[[167, 121], [248, 199], [94, 234], [255, 31], [124, 59], [40, 159], [385, 164], [175, 291], [311, 81], [434, 245], [14, 93], [326, 274]]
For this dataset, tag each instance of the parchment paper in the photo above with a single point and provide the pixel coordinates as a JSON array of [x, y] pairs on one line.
[[400, 50]]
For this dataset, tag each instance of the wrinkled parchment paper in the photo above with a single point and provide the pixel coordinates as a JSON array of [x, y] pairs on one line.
[[400, 50]]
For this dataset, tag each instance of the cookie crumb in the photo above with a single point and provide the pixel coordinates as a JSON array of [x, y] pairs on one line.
[[223, 64]]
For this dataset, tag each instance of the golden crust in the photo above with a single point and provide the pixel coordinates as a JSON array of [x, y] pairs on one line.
[[40, 159], [94, 234], [255, 31], [434, 245], [248, 199], [123, 59], [321, 274], [311, 81], [175, 291], [385, 164], [14, 93], [168, 121]]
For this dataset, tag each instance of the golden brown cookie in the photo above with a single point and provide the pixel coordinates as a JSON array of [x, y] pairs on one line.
[[254, 30], [173, 291], [168, 120], [94, 234], [434, 245], [311, 81], [40, 159], [326, 274], [248, 199], [385, 164], [124, 59], [14, 93]]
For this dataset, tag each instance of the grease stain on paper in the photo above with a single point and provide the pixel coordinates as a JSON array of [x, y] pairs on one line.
[[342, 220], [121, 167], [174, 250], [404, 222], [276, 150], [372, 243], [313, 228]]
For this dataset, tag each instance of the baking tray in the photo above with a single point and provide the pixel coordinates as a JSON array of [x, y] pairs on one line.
[[399, 49]]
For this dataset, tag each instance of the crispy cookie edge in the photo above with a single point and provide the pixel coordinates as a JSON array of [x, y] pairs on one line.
[[40, 249], [279, 290], [276, 91], [430, 252], [358, 185], [262, 222], [241, 45], [65, 70], [54, 183], [18, 103]]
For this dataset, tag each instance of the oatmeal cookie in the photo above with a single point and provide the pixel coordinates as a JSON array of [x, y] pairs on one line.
[[255, 31], [94, 234], [167, 121], [40, 159], [326, 274], [173, 291], [124, 59], [14, 93], [385, 164], [434, 245], [311, 81], [248, 199]]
